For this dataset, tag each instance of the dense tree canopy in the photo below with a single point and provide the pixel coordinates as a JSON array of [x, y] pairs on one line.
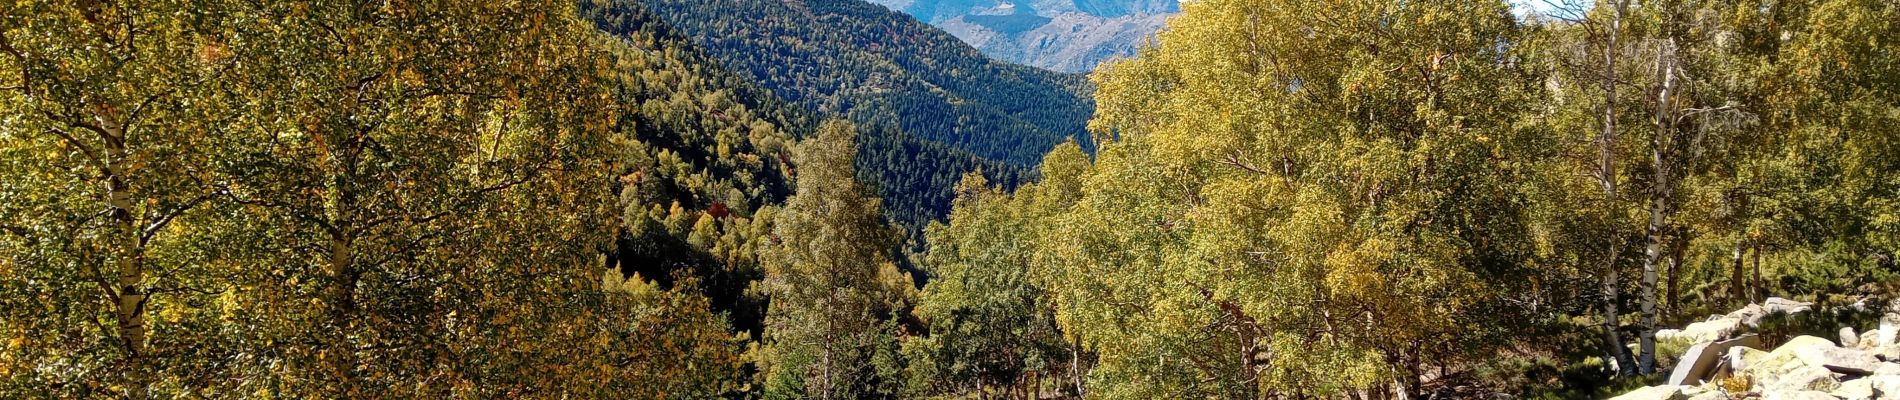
[[989, 324], [232, 199], [1325, 186], [1290, 199], [1321, 199]]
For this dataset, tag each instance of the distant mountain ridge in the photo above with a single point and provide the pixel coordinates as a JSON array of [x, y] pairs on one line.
[[937, 105], [940, 10], [1059, 35]]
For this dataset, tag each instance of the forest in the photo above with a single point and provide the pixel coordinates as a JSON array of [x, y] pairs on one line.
[[933, 108], [1274, 199]]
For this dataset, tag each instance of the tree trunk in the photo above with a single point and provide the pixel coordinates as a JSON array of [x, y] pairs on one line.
[[1646, 335], [1035, 387], [1407, 382], [130, 257], [1663, 171], [1677, 247], [1075, 366], [1758, 292], [342, 300], [1652, 255], [1606, 148], [1738, 278], [1606, 142], [1612, 337], [340, 295], [831, 325]]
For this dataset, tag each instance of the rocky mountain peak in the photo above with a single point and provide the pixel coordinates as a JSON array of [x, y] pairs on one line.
[[1060, 35]]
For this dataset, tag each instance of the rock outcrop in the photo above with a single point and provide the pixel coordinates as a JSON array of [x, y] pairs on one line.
[[1703, 359], [1725, 358]]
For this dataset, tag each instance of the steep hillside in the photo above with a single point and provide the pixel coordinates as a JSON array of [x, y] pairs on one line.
[[1060, 35], [888, 71], [707, 159]]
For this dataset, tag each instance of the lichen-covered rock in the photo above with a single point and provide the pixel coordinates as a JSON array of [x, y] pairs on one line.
[[1858, 389], [1709, 395], [1805, 378], [1885, 386], [1888, 353], [1785, 358], [1868, 340], [1655, 393], [1865, 365], [1751, 315], [1669, 334], [1798, 395], [1887, 368], [1846, 361], [1694, 364], [1703, 332], [1740, 358], [1703, 360], [1780, 305], [1889, 327]]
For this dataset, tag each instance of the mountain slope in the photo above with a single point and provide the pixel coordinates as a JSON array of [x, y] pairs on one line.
[[888, 71], [1060, 35], [941, 10], [706, 162]]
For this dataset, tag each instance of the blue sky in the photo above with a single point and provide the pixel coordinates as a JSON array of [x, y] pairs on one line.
[[1540, 6]]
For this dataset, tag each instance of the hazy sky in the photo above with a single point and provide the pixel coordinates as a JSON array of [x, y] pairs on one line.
[[1541, 6]]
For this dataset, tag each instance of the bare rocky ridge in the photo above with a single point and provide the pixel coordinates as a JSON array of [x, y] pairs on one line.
[[1071, 42], [1059, 35]]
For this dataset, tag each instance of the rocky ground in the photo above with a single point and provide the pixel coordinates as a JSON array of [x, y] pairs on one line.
[[1727, 360]]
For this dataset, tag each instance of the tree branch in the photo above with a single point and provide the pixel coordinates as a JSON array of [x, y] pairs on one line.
[[83, 149], [1572, 13], [76, 122], [158, 291], [26, 80], [319, 222], [16, 230], [1234, 160], [464, 200], [97, 277], [146, 234], [6, 46], [131, 119], [1698, 111]]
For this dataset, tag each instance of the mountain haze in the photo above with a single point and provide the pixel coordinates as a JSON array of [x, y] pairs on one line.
[[1059, 35]]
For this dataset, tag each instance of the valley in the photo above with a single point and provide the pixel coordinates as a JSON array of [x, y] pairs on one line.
[[950, 199]]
